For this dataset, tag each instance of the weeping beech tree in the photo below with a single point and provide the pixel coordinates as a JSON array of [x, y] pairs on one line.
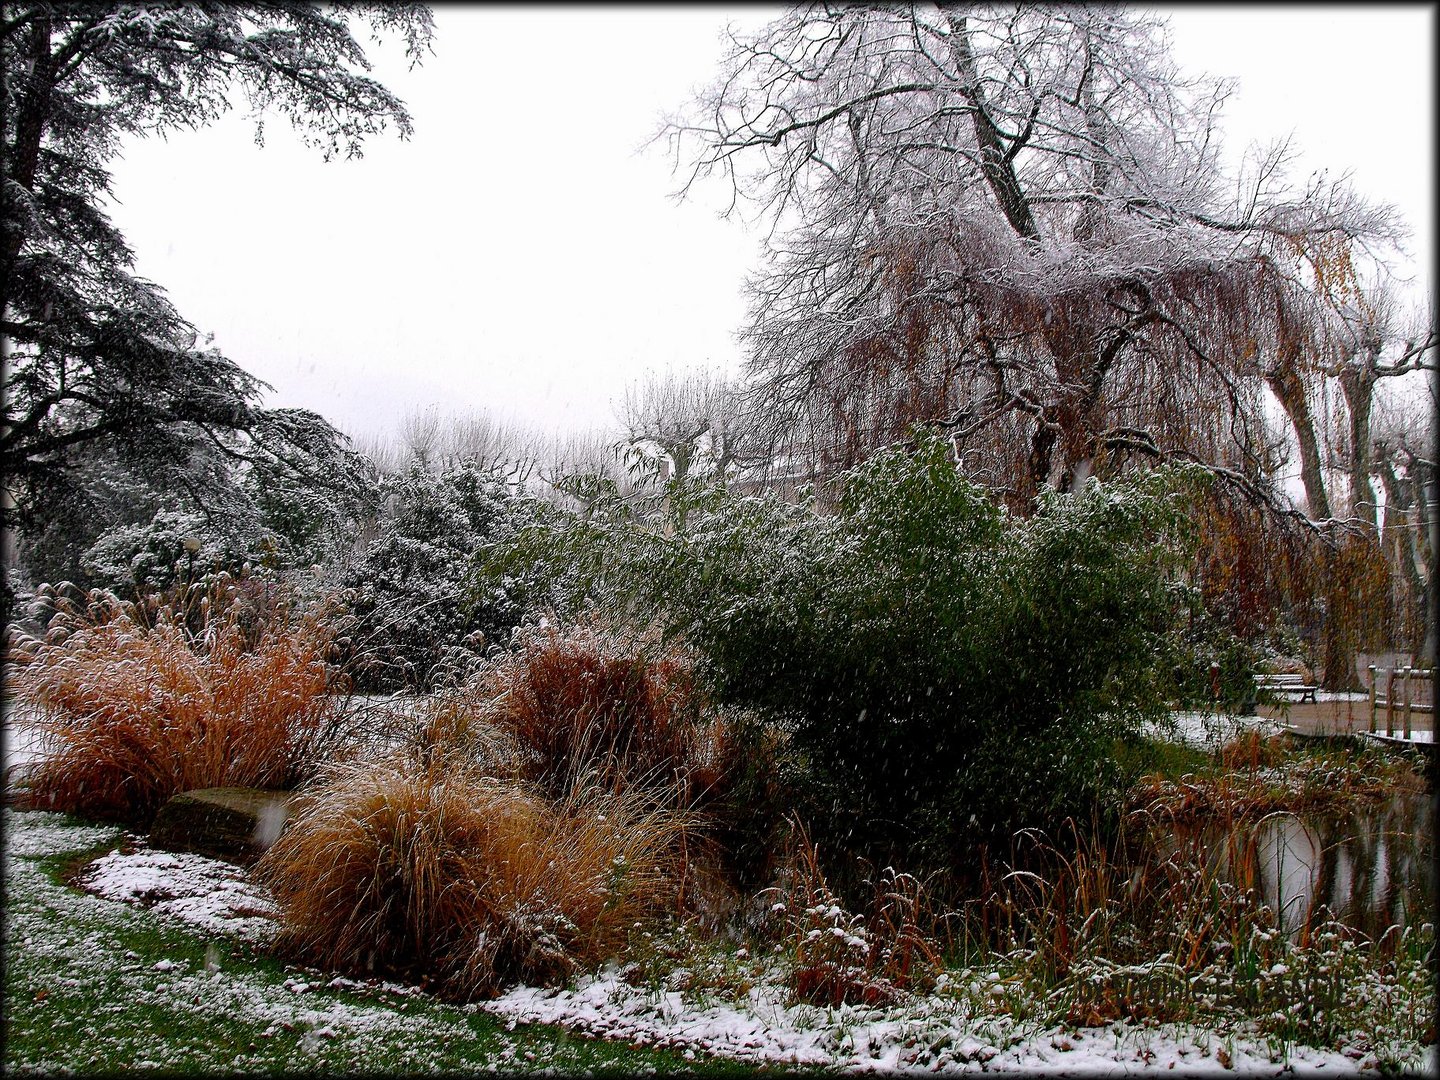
[[1012, 222]]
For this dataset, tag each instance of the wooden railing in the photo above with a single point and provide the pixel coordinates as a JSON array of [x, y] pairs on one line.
[[1407, 703]]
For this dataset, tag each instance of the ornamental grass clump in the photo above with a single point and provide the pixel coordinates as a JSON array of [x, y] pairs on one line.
[[582, 698], [451, 873], [133, 706]]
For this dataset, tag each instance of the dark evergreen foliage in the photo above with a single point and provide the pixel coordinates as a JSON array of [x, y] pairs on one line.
[[97, 357], [419, 620]]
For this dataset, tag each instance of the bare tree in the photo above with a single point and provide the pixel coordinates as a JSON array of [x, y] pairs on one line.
[[420, 436], [1012, 221], [1406, 459], [380, 450], [435, 440], [1379, 350], [696, 419], [595, 454], [501, 446]]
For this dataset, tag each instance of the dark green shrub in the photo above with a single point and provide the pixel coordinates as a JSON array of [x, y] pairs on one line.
[[942, 673], [418, 620], [1199, 639]]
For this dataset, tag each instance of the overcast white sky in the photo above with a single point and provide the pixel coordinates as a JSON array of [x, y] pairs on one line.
[[519, 255]]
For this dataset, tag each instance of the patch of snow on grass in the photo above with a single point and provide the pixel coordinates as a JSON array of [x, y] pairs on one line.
[[379, 1032], [933, 1034], [207, 893], [38, 833]]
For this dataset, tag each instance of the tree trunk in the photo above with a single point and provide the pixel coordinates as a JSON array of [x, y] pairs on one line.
[[1290, 389], [32, 112], [1401, 529], [1358, 385]]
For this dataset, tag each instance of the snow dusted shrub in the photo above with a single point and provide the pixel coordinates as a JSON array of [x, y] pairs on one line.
[[171, 549], [134, 706], [950, 674], [451, 872], [422, 619]]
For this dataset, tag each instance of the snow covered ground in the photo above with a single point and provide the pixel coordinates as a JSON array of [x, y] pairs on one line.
[[944, 1033], [941, 1033], [90, 953], [935, 1034], [1209, 730]]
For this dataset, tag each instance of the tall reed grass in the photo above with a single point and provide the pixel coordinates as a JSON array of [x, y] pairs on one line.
[[134, 706], [836, 955], [1168, 931]]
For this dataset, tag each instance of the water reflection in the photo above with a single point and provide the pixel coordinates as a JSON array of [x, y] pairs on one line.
[[1371, 869]]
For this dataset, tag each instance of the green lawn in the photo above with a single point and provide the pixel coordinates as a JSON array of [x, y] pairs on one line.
[[97, 986]]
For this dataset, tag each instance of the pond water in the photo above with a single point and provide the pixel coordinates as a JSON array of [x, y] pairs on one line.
[[1372, 869]]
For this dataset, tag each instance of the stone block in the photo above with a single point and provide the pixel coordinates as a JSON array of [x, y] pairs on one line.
[[233, 823]]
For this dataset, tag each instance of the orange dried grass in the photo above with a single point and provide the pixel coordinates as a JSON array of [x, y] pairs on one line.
[[1251, 750], [133, 708], [585, 699], [445, 872]]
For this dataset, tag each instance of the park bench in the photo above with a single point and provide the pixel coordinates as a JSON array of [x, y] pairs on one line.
[[1286, 684]]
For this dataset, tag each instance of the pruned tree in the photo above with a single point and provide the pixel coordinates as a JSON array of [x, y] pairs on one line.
[[1357, 419], [1012, 221], [437, 441], [689, 420], [1406, 460], [381, 450], [420, 436], [96, 356], [502, 446], [1383, 348]]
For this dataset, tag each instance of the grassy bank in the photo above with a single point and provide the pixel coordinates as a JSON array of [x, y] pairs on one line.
[[93, 986]]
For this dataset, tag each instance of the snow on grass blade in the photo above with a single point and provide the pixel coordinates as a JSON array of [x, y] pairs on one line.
[[90, 982]]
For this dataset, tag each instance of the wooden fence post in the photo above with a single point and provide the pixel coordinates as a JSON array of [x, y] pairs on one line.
[[1374, 685], [1408, 672], [1390, 703]]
